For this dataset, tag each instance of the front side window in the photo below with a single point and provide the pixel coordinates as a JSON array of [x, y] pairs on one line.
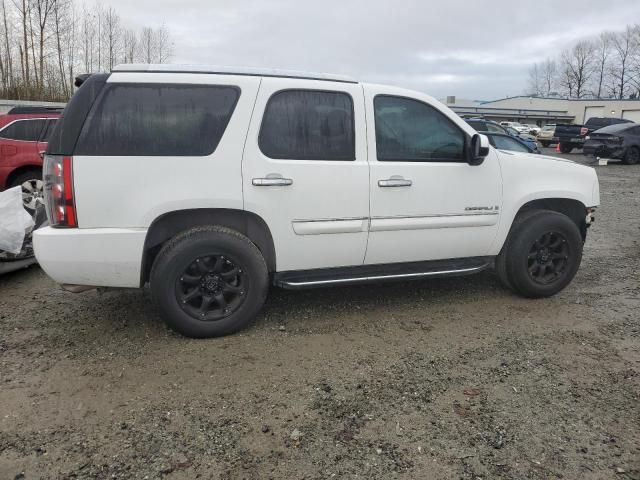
[[308, 125], [157, 120], [411, 131], [508, 143], [24, 130]]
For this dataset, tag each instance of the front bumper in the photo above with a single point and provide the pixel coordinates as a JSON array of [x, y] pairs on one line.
[[101, 257]]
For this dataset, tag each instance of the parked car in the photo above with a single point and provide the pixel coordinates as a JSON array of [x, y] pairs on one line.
[[517, 126], [507, 142], [573, 136], [621, 141], [533, 129], [24, 132], [299, 180], [487, 126], [547, 135]]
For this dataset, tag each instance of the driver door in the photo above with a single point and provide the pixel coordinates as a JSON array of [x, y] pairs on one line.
[[427, 202]]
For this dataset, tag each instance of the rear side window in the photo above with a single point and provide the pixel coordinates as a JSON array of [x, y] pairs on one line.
[[24, 130], [46, 133], [308, 125], [157, 120]]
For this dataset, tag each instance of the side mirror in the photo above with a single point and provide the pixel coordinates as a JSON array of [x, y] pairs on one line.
[[478, 149]]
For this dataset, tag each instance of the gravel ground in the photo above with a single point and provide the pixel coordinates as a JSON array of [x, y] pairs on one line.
[[443, 379]]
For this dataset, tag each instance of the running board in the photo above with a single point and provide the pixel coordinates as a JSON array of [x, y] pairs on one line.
[[333, 277]]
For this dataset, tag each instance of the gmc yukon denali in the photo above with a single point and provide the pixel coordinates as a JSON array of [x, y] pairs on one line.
[[209, 184]]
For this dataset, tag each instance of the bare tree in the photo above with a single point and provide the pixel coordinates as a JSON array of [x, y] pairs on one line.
[[578, 63], [112, 35], [602, 52], [535, 81], [164, 46], [43, 10], [129, 46], [147, 43], [566, 78], [549, 73], [624, 45]]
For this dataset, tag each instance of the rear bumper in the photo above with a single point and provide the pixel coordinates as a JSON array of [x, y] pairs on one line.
[[101, 257], [604, 151]]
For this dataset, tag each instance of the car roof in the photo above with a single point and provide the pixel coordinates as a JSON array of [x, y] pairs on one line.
[[618, 127], [229, 70]]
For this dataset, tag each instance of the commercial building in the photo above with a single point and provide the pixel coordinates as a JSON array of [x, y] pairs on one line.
[[542, 111]]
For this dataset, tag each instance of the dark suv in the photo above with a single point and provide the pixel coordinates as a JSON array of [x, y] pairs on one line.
[[24, 132]]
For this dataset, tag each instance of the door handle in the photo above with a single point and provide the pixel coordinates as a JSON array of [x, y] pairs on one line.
[[395, 182], [272, 182]]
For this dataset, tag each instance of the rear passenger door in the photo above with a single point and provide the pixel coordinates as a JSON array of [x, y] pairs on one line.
[[305, 171]]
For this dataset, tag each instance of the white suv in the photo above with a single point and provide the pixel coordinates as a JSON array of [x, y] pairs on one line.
[[210, 184]]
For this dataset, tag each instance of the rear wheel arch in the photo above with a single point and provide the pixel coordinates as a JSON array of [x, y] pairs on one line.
[[172, 223], [21, 170]]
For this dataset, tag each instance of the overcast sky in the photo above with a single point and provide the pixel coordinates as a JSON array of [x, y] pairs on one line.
[[472, 49]]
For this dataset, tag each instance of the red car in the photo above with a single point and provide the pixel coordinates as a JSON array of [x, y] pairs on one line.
[[24, 132]]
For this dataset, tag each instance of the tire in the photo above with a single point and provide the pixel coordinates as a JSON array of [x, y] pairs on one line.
[[541, 255], [632, 157], [545, 144], [32, 188], [197, 267], [564, 148]]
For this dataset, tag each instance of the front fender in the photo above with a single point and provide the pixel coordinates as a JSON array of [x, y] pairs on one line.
[[527, 178]]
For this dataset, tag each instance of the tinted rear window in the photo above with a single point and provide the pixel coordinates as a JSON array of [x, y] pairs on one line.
[[25, 130], [157, 120], [308, 125]]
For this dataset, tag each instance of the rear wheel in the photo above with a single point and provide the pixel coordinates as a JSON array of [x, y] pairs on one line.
[[632, 157], [209, 281], [32, 188], [545, 144], [564, 148], [542, 254]]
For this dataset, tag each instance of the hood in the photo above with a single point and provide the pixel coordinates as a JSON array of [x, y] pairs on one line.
[[533, 157]]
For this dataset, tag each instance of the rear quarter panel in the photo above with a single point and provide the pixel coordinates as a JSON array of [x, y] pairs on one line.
[[130, 192]]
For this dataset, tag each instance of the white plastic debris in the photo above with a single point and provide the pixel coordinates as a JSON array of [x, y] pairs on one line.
[[15, 221]]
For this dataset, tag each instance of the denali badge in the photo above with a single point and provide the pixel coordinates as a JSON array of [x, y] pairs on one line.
[[487, 209]]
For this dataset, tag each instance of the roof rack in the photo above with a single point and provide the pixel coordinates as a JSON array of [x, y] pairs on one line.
[[34, 109], [226, 70]]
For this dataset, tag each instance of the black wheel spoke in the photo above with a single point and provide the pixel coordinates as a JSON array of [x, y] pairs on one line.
[[231, 273], [207, 292], [190, 279], [548, 257], [217, 267], [191, 295], [206, 302], [232, 288], [220, 300]]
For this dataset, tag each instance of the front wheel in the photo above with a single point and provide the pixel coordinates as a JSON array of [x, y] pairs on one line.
[[209, 281], [542, 254]]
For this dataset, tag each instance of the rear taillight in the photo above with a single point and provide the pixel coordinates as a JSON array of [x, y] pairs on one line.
[[584, 131], [58, 191]]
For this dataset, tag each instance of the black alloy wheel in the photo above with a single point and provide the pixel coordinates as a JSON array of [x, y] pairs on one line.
[[548, 257], [211, 288]]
